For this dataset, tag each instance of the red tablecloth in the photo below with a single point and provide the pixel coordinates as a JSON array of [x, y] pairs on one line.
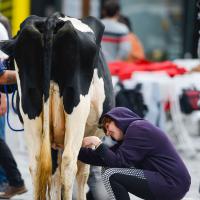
[[124, 70]]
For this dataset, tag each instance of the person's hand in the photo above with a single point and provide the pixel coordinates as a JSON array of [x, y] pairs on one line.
[[8, 77], [91, 142]]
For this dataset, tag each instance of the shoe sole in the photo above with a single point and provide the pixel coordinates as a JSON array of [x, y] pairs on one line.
[[17, 193], [23, 191]]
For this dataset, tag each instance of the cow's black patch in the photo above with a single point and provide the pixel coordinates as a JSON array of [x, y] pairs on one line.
[[29, 58], [73, 63]]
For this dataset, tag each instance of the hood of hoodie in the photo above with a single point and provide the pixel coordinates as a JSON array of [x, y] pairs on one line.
[[123, 117]]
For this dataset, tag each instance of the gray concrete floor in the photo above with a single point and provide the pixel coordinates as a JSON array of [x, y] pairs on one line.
[[18, 147]]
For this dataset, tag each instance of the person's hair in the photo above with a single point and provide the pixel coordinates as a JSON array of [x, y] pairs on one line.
[[125, 20], [104, 121], [111, 8]]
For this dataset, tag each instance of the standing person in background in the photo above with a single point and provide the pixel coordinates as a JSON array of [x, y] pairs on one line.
[[115, 41], [11, 181], [7, 162], [4, 35], [3, 109], [137, 49]]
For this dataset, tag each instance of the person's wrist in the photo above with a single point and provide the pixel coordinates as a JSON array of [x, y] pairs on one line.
[[98, 144]]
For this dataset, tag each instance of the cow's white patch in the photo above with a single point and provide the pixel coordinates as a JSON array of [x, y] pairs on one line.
[[77, 24], [96, 105], [86, 117], [33, 131], [55, 192]]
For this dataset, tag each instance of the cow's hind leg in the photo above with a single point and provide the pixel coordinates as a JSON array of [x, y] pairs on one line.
[[68, 171], [82, 177], [55, 192], [33, 129], [74, 132]]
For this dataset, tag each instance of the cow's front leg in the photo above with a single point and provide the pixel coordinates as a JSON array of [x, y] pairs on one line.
[[74, 132], [82, 177]]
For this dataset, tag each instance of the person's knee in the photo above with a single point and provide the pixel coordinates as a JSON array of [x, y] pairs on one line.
[[114, 178]]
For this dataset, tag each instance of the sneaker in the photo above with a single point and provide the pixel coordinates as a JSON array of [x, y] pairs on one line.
[[11, 191]]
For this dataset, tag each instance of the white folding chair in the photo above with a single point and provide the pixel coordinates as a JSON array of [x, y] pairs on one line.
[[182, 132]]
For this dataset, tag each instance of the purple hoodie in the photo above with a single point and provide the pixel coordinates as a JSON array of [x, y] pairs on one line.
[[146, 147]]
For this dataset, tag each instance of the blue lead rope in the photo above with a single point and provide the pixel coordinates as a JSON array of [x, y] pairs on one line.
[[13, 107], [12, 102]]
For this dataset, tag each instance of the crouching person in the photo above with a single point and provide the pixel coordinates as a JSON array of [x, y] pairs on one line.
[[143, 161]]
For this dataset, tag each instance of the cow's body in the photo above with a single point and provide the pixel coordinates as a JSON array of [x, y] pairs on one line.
[[64, 87]]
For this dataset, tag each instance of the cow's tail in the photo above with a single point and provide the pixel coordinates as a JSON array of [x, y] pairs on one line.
[[44, 169]]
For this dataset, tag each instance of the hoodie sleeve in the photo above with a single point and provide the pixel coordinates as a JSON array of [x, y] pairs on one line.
[[137, 144], [90, 156]]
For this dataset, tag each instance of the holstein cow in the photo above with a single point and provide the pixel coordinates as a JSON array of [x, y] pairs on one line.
[[64, 88]]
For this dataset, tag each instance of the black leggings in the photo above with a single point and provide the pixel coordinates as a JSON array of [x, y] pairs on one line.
[[120, 181]]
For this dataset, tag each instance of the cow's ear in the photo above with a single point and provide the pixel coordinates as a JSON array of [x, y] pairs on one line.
[[7, 46], [96, 25]]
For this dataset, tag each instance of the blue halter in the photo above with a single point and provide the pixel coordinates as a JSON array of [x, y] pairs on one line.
[[13, 107]]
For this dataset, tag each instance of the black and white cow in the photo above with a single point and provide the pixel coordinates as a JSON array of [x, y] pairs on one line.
[[64, 87]]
